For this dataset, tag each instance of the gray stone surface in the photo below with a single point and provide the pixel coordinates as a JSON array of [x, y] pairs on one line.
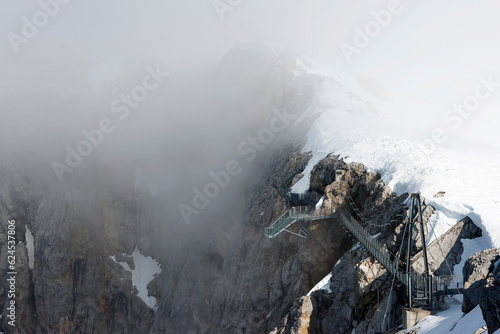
[[445, 252], [475, 272], [482, 286], [74, 286], [490, 297], [300, 320]]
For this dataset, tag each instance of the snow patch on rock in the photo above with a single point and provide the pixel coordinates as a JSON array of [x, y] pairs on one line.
[[146, 269], [324, 284], [30, 245]]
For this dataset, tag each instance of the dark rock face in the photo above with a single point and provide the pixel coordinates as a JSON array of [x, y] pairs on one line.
[[360, 293], [218, 281], [74, 287], [270, 275], [323, 173], [488, 290], [490, 299], [24, 289], [15, 204], [227, 282], [482, 286]]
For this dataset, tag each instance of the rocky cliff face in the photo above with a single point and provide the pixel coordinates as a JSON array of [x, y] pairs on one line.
[[74, 287], [214, 274], [482, 286], [220, 275]]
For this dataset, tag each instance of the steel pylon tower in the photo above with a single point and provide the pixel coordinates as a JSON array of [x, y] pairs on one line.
[[415, 213]]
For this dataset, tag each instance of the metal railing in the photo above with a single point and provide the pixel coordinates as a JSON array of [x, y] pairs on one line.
[[447, 285], [285, 220], [296, 214], [381, 254], [421, 285], [354, 207]]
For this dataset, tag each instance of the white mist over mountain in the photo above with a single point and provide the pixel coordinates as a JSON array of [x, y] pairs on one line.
[[398, 76], [427, 56], [430, 68]]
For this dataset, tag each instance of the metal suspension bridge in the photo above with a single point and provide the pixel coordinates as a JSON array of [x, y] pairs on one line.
[[421, 288]]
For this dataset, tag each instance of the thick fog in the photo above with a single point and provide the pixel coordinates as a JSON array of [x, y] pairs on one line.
[[140, 78]]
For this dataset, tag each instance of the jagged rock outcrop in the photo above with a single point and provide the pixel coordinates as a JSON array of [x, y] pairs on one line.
[[417, 244], [323, 173], [360, 287], [490, 296], [482, 286], [445, 252], [299, 319], [360, 291], [271, 274]]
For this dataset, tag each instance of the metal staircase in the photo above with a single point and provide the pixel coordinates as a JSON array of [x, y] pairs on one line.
[[299, 213]]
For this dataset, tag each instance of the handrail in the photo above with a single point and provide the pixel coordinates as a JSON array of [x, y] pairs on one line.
[[291, 216], [285, 220], [287, 212], [374, 247]]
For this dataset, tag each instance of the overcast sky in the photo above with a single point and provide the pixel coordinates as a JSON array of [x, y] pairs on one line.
[[429, 56]]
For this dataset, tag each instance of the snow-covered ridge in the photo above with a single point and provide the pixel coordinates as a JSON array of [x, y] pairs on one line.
[[359, 127], [360, 124]]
